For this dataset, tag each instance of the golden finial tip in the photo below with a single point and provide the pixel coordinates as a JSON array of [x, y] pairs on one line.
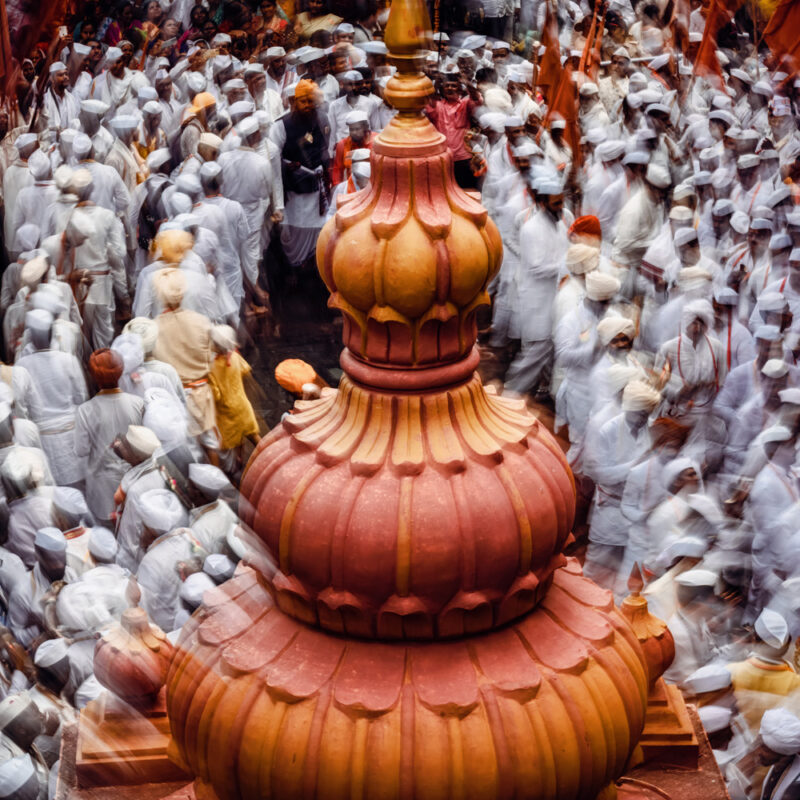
[[409, 28], [635, 581]]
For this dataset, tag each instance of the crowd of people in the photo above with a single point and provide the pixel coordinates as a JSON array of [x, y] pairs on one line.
[[166, 170]]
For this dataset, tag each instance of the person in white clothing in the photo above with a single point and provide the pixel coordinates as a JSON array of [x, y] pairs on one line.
[[543, 243]]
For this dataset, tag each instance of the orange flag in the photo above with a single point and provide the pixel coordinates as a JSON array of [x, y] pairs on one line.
[[586, 55], [565, 103], [706, 64], [596, 56], [550, 64], [782, 33]]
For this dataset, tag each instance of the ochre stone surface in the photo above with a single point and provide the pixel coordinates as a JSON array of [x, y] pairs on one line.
[[262, 705]]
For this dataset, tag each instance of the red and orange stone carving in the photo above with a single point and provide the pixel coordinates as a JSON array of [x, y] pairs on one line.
[[417, 631]]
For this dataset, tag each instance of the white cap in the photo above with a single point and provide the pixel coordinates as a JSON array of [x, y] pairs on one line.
[[49, 653], [124, 122], [659, 61], [51, 540], [378, 48], [360, 154], [726, 296], [775, 368], [658, 176], [780, 241], [142, 440], [25, 140], [254, 69], [772, 629], [790, 396], [748, 161], [39, 320], [247, 127], [211, 169], [219, 567], [685, 236], [92, 106], [780, 731], [194, 587], [152, 108], [208, 477], [311, 54], [161, 511], [636, 157], [70, 501], [699, 578], [710, 678], [589, 89], [12, 706], [355, 117], [158, 158], [113, 54], [102, 545], [525, 149], [15, 773], [196, 82], [715, 718]]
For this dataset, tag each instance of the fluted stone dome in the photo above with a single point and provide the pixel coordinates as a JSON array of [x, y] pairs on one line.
[[408, 625]]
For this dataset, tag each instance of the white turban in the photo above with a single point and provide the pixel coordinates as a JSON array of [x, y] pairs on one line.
[[612, 326], [780, 731], [697, 309], [690, 278], [640, 396], [582, 258], [600, 286], [620, 375], [147, 330], [674, 468]]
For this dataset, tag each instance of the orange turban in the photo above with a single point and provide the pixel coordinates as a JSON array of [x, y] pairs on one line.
[[203, 100], [106, 367], [305, 88], [585, 228], [293, 373]]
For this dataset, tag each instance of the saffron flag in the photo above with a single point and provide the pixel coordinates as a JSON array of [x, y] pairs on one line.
[[782, 33], [706, 64], [550, 64], [565, 104]]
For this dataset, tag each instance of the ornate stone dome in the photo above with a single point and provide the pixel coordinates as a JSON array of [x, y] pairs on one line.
[[548, 708], [410, 516], [408, 625]]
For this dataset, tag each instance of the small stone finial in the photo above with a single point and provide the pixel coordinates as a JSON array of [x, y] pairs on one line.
[[133, 594], [652, 633], [635, 580], [132, 659]]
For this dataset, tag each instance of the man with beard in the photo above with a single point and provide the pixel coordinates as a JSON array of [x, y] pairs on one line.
[[60, 106], [302, 137]]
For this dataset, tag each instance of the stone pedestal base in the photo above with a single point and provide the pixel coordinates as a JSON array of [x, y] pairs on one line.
[[669, 735], [115, 746]]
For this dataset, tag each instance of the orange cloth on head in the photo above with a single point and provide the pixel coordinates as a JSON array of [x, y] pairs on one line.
[[305, 88], [586, 226], [292, 373], [106, 367]]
